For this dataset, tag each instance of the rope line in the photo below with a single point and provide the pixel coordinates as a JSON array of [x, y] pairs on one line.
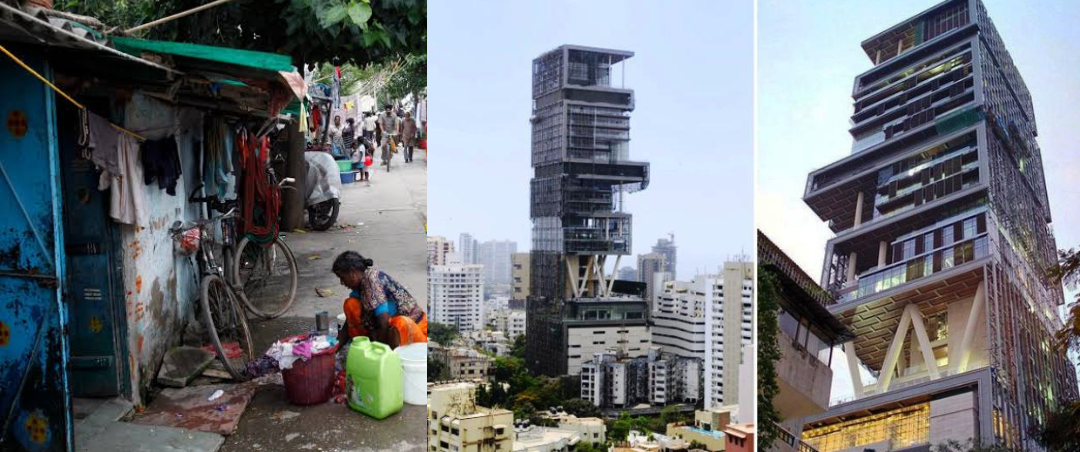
[[61, 92]]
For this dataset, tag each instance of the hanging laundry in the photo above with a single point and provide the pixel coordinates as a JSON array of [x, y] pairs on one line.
[[127, 203], [217, 160], [303, 118], [335, 91], [161, 162], [101, 140], [316, 117]]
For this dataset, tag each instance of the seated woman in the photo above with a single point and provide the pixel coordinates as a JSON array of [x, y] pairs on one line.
[[379, 307]]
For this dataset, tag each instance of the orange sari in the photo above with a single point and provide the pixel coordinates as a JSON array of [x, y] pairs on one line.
[[409, 332]]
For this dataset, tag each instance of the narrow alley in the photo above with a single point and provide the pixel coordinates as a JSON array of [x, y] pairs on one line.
[[384, 222]]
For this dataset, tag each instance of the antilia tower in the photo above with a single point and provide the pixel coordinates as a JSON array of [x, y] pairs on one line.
[[581, 158], [942, 244]]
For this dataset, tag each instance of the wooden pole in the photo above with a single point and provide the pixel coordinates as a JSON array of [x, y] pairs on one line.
[[178, 15]]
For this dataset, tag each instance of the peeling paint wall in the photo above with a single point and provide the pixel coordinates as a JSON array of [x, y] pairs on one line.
[[160, 289]]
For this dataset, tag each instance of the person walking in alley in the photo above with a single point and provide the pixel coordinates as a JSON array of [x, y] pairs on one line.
[[408, 135], [369, 126], [379, 307], [337, 146], [388, 125], [348, 137]]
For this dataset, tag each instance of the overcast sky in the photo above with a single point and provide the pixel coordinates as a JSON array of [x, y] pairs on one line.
[[692, 76], [808, 57]]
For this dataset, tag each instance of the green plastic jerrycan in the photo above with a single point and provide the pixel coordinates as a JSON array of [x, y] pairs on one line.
[[373, 378]]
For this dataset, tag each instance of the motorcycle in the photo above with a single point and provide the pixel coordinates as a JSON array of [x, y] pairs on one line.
[[323, 190]]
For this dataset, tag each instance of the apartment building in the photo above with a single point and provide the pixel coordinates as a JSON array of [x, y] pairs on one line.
[[456, 424], [463, 363], [610, 380], [438, 248], [456, 294], [519, 276], [509, 321], [942, 242], [496, 256], [808, 335], [469, 248]]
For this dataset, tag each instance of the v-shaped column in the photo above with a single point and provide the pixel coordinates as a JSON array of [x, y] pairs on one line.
[[910, 317], [961, 364]]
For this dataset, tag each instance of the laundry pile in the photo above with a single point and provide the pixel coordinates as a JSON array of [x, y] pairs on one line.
[[284, 353]]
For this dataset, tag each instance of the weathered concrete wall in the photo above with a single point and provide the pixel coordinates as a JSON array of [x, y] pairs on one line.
[[953, 419], [159, 285], [805, 382]]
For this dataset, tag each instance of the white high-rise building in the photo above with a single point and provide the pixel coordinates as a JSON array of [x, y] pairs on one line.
[[468, 247], [710, 316], [733, 318], [495, 256], [438, 248], [457, 294]]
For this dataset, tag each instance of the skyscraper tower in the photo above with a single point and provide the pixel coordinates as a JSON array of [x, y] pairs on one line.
[[581, 159], [943, 244], [666, 247]]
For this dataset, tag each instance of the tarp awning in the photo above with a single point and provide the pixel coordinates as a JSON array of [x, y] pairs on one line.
[[247, 58]]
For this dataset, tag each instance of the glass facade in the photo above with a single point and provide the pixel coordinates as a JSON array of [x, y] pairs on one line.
[[899, 429]]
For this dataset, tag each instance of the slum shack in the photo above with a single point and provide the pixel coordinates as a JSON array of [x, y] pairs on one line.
[[106, 137]]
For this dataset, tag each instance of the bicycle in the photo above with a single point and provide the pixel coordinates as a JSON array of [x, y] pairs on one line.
[[388, 150], [222, 314], [264, 273]]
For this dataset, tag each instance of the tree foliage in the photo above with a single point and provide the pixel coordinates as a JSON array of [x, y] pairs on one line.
[[443, 334], [585, 446], [312, 31], [518, 349], [410, 78], [580, 407], [1061, 433], [768, 354], [1067, 272], [620, 429], [437, 370], [971, 446]]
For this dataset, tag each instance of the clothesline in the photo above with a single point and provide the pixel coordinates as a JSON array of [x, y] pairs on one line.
[[62, 93]]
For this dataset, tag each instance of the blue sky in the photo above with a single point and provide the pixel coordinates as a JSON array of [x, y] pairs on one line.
[[808, 56], [693, 85]]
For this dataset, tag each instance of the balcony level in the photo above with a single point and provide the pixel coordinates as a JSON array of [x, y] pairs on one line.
[[897, 176], [930, 240], [956, 57], [896, 45], [936, 91]]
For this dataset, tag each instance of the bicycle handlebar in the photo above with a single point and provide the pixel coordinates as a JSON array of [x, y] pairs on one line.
[[179, 226]]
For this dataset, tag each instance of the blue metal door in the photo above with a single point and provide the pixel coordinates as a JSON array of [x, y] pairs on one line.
[[35, 405], [95, 323]]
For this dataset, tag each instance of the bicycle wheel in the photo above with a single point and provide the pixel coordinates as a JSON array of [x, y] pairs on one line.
[[224, 320], [265, 273]]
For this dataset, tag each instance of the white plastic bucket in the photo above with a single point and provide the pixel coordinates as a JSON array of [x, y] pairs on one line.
[[414, 365]]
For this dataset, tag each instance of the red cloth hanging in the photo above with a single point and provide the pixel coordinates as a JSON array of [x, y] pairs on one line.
[[258, 191]]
